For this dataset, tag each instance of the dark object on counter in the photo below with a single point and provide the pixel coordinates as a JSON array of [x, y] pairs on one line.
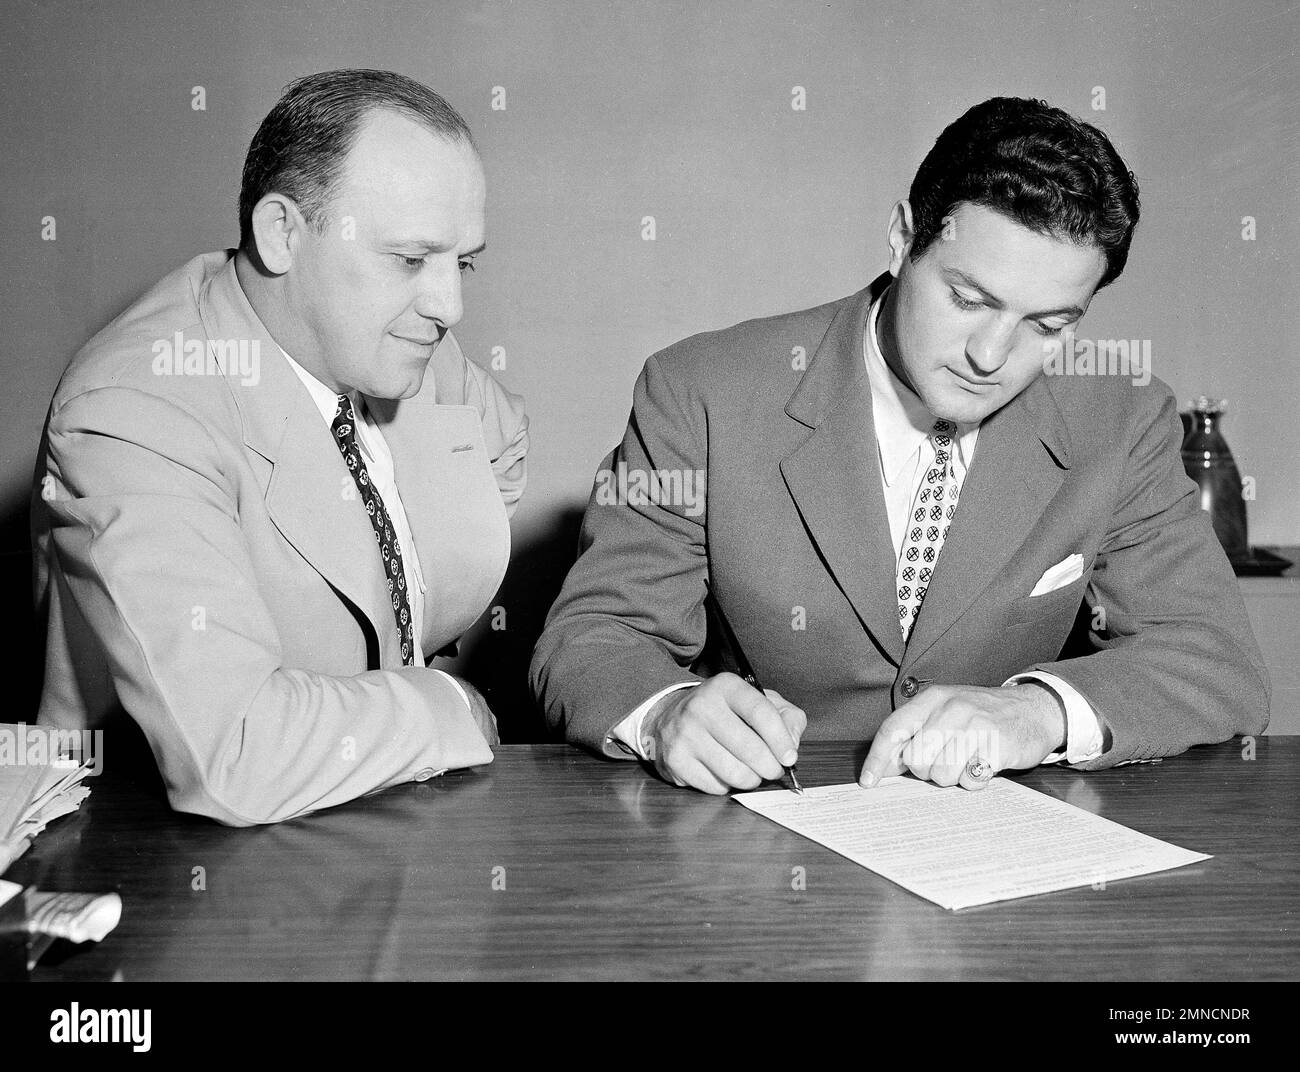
[[1209, 462]]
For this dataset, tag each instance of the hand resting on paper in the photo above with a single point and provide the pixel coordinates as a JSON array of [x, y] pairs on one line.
[[936, 734]]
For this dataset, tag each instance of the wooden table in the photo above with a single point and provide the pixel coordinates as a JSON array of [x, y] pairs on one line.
[[552, 864]]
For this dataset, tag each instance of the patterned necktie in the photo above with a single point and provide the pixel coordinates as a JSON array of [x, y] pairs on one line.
[[344, 429], [932, 513]]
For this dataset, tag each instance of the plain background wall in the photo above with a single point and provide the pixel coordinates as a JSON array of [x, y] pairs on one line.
[[615, 111]]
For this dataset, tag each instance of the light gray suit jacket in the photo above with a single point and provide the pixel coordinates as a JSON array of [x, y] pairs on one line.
[[204, 562]]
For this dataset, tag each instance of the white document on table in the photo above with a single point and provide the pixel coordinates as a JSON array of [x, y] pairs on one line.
[[959, 848]]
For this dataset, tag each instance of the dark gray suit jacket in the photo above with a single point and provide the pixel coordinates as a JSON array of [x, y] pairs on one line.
[[795, 534]]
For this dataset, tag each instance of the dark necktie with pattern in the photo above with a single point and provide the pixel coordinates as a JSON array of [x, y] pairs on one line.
[[932, 514], [344, 429]]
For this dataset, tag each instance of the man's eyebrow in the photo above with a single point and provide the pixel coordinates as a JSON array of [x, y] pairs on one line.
[[431, 246], [1065, 310]]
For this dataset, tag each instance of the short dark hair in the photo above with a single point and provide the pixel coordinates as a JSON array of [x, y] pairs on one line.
[[1036, 164], [303, 143]]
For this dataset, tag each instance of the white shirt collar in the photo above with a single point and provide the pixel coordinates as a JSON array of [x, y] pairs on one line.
[[326, 400], [901, 419]]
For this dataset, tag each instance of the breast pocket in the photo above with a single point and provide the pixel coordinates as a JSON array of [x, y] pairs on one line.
[[1061, 604]]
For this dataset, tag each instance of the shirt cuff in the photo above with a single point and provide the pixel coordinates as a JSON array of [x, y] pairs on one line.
[[627, 734], [1084, 740]]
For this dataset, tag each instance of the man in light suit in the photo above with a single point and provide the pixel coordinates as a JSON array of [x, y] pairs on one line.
[[903, 529], [274, 488]]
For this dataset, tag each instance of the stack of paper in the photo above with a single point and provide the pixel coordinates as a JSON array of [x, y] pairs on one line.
[[40, 779]]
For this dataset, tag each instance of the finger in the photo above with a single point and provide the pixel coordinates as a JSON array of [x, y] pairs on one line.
[[976, 773], [984, 755], [960, 748], [689, 771], [763, 717], [722, 763], [892, 769], [740, 744], [667, 771], [884, 757], [669, 775], [795, 719], [932, 746]]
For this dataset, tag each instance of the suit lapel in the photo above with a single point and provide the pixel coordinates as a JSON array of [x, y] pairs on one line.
[[1020, 460], [310, 495], [834, 475]]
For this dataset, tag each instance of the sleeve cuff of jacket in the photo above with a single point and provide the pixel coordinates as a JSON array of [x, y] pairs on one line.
[[627, 734], [460, 691], [468, 707], [1084, 740]]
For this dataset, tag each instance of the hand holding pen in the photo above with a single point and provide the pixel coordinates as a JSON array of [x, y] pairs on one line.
[[726, 733], [745, 669]]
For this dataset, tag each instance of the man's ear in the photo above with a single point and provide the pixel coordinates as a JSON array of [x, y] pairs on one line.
[[278, 227], [900, 236]]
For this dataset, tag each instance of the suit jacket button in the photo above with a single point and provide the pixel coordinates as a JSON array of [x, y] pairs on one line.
[[910, 686], [424, 775]]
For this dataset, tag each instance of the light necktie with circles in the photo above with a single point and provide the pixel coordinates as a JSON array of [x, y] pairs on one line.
[[932, 514], [344, 428]]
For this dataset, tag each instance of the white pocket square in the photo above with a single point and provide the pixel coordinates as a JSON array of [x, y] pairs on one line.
[[1067, 571]]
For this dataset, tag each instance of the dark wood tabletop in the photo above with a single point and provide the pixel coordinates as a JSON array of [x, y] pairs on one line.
[[554, 864]]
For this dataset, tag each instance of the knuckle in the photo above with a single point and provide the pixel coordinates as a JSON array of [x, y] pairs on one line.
[[759, 762]]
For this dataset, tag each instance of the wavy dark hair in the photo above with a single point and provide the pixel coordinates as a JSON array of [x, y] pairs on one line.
[[303, 143], [1036, 164]]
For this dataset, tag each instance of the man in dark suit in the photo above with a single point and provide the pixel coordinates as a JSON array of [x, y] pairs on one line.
[[902, 529]]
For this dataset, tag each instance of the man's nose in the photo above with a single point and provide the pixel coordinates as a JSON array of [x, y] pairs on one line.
[[988, 349], [440, 296]]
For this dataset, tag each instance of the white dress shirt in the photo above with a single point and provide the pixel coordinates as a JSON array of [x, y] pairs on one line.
[[378, 460], [903, 426]]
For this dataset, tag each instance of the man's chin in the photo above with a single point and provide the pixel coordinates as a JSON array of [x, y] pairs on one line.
[[970, 413], [399, 388], [961, 407]]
